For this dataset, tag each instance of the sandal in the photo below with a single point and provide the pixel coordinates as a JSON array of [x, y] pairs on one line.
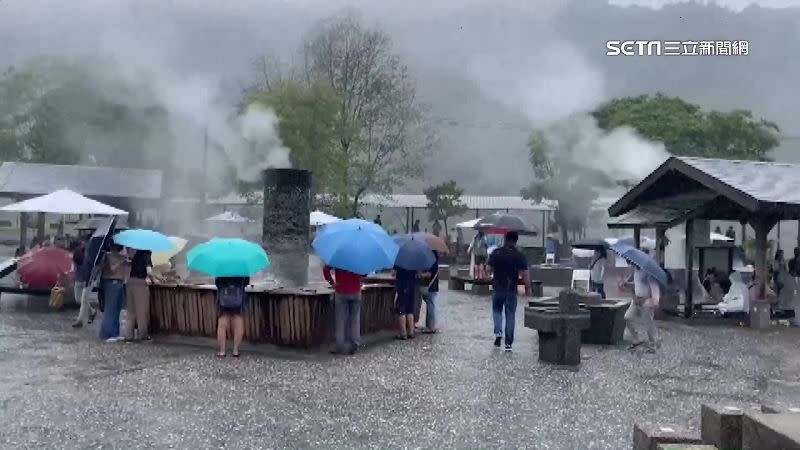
[[400, 337], [235, 355], [412, 336], [221, 355], [430, 331]]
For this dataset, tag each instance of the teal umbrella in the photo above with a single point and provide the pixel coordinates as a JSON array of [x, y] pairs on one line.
[[227, 258]]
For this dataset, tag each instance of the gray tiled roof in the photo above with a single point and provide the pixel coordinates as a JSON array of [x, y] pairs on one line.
[[91, 181], [764, 181], [663, 212]]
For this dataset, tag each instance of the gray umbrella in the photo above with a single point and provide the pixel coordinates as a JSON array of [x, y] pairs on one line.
[[499, 223]]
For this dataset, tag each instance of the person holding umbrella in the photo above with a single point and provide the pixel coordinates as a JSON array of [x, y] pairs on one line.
[[231, 262], [414, 255], [346, 309], [116, 267], [352, 247]]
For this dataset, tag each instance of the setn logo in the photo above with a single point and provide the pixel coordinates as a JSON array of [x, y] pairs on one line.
[[631, 48]]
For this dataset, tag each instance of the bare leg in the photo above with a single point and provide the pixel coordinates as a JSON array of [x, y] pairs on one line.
[[238, 333], [222, 333], [410, 324], [402, 319]]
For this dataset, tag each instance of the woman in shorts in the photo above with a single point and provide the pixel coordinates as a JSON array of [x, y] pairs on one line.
[[406, 285], [231, 297]]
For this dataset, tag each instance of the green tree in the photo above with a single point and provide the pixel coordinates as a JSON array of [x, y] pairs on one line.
[[687, 130], [382, 132], [444, 201], [560, 176], [309, 121]]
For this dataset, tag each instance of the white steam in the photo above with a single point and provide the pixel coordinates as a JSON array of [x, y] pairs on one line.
[[264, 149]]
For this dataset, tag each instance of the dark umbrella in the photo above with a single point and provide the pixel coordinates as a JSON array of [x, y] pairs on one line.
[[414, 253], [591, 244], [643, 261], [499, 223], [435, 242]]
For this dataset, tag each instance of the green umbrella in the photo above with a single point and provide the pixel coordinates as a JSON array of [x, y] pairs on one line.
[[227, 258]]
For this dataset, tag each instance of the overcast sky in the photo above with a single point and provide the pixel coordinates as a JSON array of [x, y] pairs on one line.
[[488, 69]]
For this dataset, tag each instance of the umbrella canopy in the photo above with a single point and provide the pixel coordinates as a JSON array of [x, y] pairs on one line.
[[144, 240], [319, 218], [643, 261], [414, 253], [499, 223], [93, 223], [162, 258], [436, 243], [228, 216], [469, 223], [357, 246], [64, 201], [227, 258], [42, 268]]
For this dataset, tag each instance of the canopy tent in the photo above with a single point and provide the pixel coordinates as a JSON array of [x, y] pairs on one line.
[[228, 216], [319, 218], [64, 201]]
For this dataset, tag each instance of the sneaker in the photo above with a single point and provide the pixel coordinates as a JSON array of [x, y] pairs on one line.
[[508, 347], [650, 350], [497, 341], [77, 324]]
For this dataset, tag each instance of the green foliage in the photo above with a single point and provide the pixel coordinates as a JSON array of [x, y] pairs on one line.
[[686, 130], [444, 201], [309, 125]]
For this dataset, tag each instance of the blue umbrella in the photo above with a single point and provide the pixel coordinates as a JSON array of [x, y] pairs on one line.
[[643, 261], [356, 245], [414, 253], [144, 240]]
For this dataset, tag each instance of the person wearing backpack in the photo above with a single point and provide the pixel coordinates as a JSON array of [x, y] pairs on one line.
[[230, 301]]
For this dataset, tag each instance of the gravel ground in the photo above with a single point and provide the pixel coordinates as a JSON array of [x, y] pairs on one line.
[[62, 388]]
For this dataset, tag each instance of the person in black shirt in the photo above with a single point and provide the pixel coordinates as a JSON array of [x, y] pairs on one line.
[[430, 296], [406, 284], [507, 264]]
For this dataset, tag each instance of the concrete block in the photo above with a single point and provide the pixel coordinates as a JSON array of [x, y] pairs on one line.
[[687, 447], [771, 431], [721, 426], [455, 284], [760, 316], [649, 436], [481, 289]]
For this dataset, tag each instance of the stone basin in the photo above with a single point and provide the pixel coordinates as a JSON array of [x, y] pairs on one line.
[[606, 317]]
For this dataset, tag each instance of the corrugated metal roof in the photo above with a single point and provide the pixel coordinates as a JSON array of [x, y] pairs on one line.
[[472, 202], [764, 181], [91, 181]]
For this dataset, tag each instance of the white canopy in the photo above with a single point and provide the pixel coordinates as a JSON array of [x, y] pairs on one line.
[[469, 223], [319, 218], [64, 201], [228, 216]]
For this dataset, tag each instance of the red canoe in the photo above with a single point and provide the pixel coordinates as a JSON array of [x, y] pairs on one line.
[[43, 268]]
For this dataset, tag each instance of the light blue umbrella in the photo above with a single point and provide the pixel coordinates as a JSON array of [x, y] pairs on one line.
[[643, 261], [356, 245], [414, 253], [227, 258], [144, 240]]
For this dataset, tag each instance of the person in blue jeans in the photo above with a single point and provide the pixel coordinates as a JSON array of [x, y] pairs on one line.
[[430, 295], [507, 264], [116, 267]]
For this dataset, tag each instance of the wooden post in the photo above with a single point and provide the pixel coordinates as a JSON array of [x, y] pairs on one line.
[[661, 236], [41, 219], [408, 220], [544, 230], [744, 232], [23, 232], [637, 237], [689, 249], [477, 213], [762, 227], [778, 239]]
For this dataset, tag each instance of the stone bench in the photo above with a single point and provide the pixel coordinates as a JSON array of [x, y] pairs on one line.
[[458, 283], [655, 437], [559, 329]]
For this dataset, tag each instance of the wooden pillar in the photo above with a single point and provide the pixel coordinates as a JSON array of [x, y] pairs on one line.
[[778, 239], [744, 232], [661, 236], [544, 229], [23, 232], [637, 237], [40, 224], [477, 213], [689, 249], [408, 220], [798, 233], [762, 228]]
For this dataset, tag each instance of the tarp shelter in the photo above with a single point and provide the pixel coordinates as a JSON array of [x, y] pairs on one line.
[[686, 189], [64, 201], [319, 218]]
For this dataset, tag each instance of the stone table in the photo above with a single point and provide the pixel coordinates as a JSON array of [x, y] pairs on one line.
[[559, 329]]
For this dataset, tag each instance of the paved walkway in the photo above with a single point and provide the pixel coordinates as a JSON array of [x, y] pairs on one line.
[[62, 388]]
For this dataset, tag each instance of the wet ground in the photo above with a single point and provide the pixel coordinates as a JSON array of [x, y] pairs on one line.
[[62, 388]]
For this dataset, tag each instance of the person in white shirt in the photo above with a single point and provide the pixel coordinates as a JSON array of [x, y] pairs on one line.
[[640, 314], [597, 271]]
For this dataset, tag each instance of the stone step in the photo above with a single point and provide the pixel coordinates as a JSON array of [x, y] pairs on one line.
[[650, 436], [778, 431], [721, 425]]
